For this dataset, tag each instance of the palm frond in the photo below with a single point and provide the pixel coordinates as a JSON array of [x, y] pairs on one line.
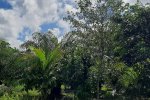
[[40, 54]]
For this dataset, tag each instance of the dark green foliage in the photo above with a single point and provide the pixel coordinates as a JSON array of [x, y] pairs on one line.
[[9, 68], [133, 44]]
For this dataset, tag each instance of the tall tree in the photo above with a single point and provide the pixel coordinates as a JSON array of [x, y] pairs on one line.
[[93, 31], [133, 44]]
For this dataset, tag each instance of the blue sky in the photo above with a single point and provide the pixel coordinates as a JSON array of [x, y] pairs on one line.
[[20, 18], [5, 5]]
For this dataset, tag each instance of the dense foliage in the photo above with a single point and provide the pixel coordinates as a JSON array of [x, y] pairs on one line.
[[106, 55]]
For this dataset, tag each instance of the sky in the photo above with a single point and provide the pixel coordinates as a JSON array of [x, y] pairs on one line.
[[20, 18]]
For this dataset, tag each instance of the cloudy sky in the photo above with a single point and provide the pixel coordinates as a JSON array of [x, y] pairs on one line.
[[20, 18]]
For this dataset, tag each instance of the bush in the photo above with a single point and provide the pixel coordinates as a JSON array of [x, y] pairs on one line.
[[18, 93]]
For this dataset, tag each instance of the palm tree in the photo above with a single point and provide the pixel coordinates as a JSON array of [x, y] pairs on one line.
[[46, 53]]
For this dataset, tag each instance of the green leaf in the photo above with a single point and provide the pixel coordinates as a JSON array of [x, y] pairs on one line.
[[54, 55], [40, 54], [128, 77], [104, 88]]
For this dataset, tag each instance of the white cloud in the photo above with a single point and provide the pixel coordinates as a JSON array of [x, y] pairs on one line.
[[57, 33], [70, 8], [64, 25], [28, 14], [10, 26], [134, 1]]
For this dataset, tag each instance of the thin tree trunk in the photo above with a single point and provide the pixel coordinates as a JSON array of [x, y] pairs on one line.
[[98, 89]]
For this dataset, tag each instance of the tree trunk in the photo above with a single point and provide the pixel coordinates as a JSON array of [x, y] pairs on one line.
[[55, 93]]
